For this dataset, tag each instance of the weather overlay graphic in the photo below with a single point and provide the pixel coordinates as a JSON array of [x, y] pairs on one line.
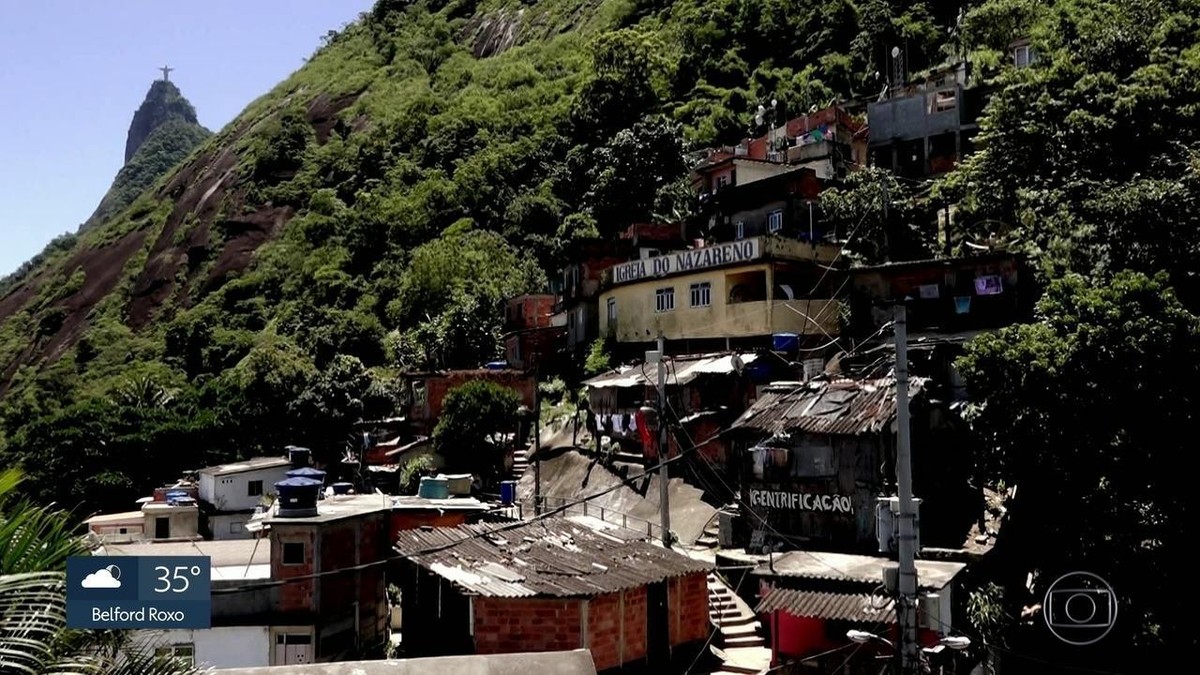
[[139, 592]]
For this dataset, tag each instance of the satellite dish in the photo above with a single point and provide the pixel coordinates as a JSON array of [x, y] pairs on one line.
[[895, 52], [774, 103], [758, 117]]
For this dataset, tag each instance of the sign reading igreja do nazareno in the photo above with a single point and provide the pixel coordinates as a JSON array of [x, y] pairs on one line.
[[688, 261], [801, 501]]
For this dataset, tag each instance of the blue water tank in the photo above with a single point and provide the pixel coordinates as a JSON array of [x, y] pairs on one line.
[[497, 365], [508, 492], [785, 342], [307, 472], [298, 497], [434, 488]]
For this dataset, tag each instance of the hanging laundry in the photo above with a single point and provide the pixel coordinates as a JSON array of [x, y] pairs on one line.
[[633, 425], [366, 441], [599, 422]]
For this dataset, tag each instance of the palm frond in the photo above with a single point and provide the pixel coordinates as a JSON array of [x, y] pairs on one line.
[[33, 610], [33, 538]]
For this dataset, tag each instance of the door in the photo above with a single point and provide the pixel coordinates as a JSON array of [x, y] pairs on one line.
[[162, 527], [292, 649], [658, 637]]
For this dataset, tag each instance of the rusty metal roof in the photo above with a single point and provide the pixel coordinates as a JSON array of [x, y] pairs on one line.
[[842, 407], [553, 557], [821, 605]]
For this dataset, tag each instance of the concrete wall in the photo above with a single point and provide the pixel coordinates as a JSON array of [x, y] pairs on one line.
[[226, 647], [636, 307], [184, 520], [748, 172], [231, 492], [229, 526]]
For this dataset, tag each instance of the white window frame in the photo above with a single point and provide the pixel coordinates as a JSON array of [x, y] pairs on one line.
[[664, 299], [612, 309], [1018, 52], [740, 230], [701, 294], [775, 221]]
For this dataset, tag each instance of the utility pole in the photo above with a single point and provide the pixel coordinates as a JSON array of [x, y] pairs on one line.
[[537, 442], [663, 498], [907, 605]]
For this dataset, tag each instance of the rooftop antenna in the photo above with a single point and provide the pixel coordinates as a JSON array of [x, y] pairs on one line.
[[897, 68]]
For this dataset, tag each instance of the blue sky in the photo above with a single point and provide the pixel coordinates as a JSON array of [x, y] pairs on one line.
[[72, 72]]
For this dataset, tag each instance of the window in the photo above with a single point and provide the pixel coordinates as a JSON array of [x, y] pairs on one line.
[[612, 309], [775, 221], [701, 294], [184, 654], [237, 526], [741, 229], [1023, 56], [162, 527], [293, 553], [418, 390], [254, 488], [664, 299], [722, 182]]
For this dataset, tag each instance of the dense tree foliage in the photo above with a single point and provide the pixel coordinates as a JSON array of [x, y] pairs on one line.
[[1087, 411], [473, 430]]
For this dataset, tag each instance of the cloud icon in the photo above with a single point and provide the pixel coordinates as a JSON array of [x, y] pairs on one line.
[[109, 577]]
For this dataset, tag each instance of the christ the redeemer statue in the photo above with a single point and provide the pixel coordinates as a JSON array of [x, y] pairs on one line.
[[166, 70]]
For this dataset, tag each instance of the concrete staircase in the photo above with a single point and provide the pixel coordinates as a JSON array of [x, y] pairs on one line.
[[520, 462], [711, 536], [739, 642]]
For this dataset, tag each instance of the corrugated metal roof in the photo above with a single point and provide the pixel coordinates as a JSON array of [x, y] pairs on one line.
[[838, 407], [552, 557], [820, 605], [680, 370]]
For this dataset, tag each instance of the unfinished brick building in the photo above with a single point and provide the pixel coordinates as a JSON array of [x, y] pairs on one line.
[[551, 585]]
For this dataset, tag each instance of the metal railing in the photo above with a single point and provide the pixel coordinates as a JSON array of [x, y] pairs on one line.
[[608, 515]]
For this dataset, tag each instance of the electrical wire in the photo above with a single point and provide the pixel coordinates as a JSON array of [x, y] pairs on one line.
[[626, 482]]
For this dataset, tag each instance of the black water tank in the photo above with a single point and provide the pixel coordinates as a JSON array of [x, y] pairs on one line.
[[298, 456], [298, 497], [342, 488], [307, 472]]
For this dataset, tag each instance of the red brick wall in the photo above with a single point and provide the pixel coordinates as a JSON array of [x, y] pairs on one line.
[[605, 640], [436, 387], [529, 311], [693, 609], [506, 625], [411, 520], [296, 596]]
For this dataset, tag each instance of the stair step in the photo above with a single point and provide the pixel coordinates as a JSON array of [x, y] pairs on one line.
[[746, 641], [743, 630], [735, 621]]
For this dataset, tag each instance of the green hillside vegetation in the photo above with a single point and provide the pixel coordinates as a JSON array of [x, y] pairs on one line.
[[433, 157], [166, 146]]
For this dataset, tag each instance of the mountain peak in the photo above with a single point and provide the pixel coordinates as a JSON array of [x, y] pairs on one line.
[[164, 102], [163, 132]]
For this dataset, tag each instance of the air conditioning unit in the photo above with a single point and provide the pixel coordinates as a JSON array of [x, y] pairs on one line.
[[887, 523]]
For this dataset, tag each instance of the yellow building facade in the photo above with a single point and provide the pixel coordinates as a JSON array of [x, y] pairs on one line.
[[747, 288]]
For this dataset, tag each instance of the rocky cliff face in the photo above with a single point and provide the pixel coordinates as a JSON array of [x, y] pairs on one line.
[[163, 132], [164, 102]]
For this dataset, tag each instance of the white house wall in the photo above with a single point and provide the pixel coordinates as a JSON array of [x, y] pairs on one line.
[[225, 647], [229, 492]]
